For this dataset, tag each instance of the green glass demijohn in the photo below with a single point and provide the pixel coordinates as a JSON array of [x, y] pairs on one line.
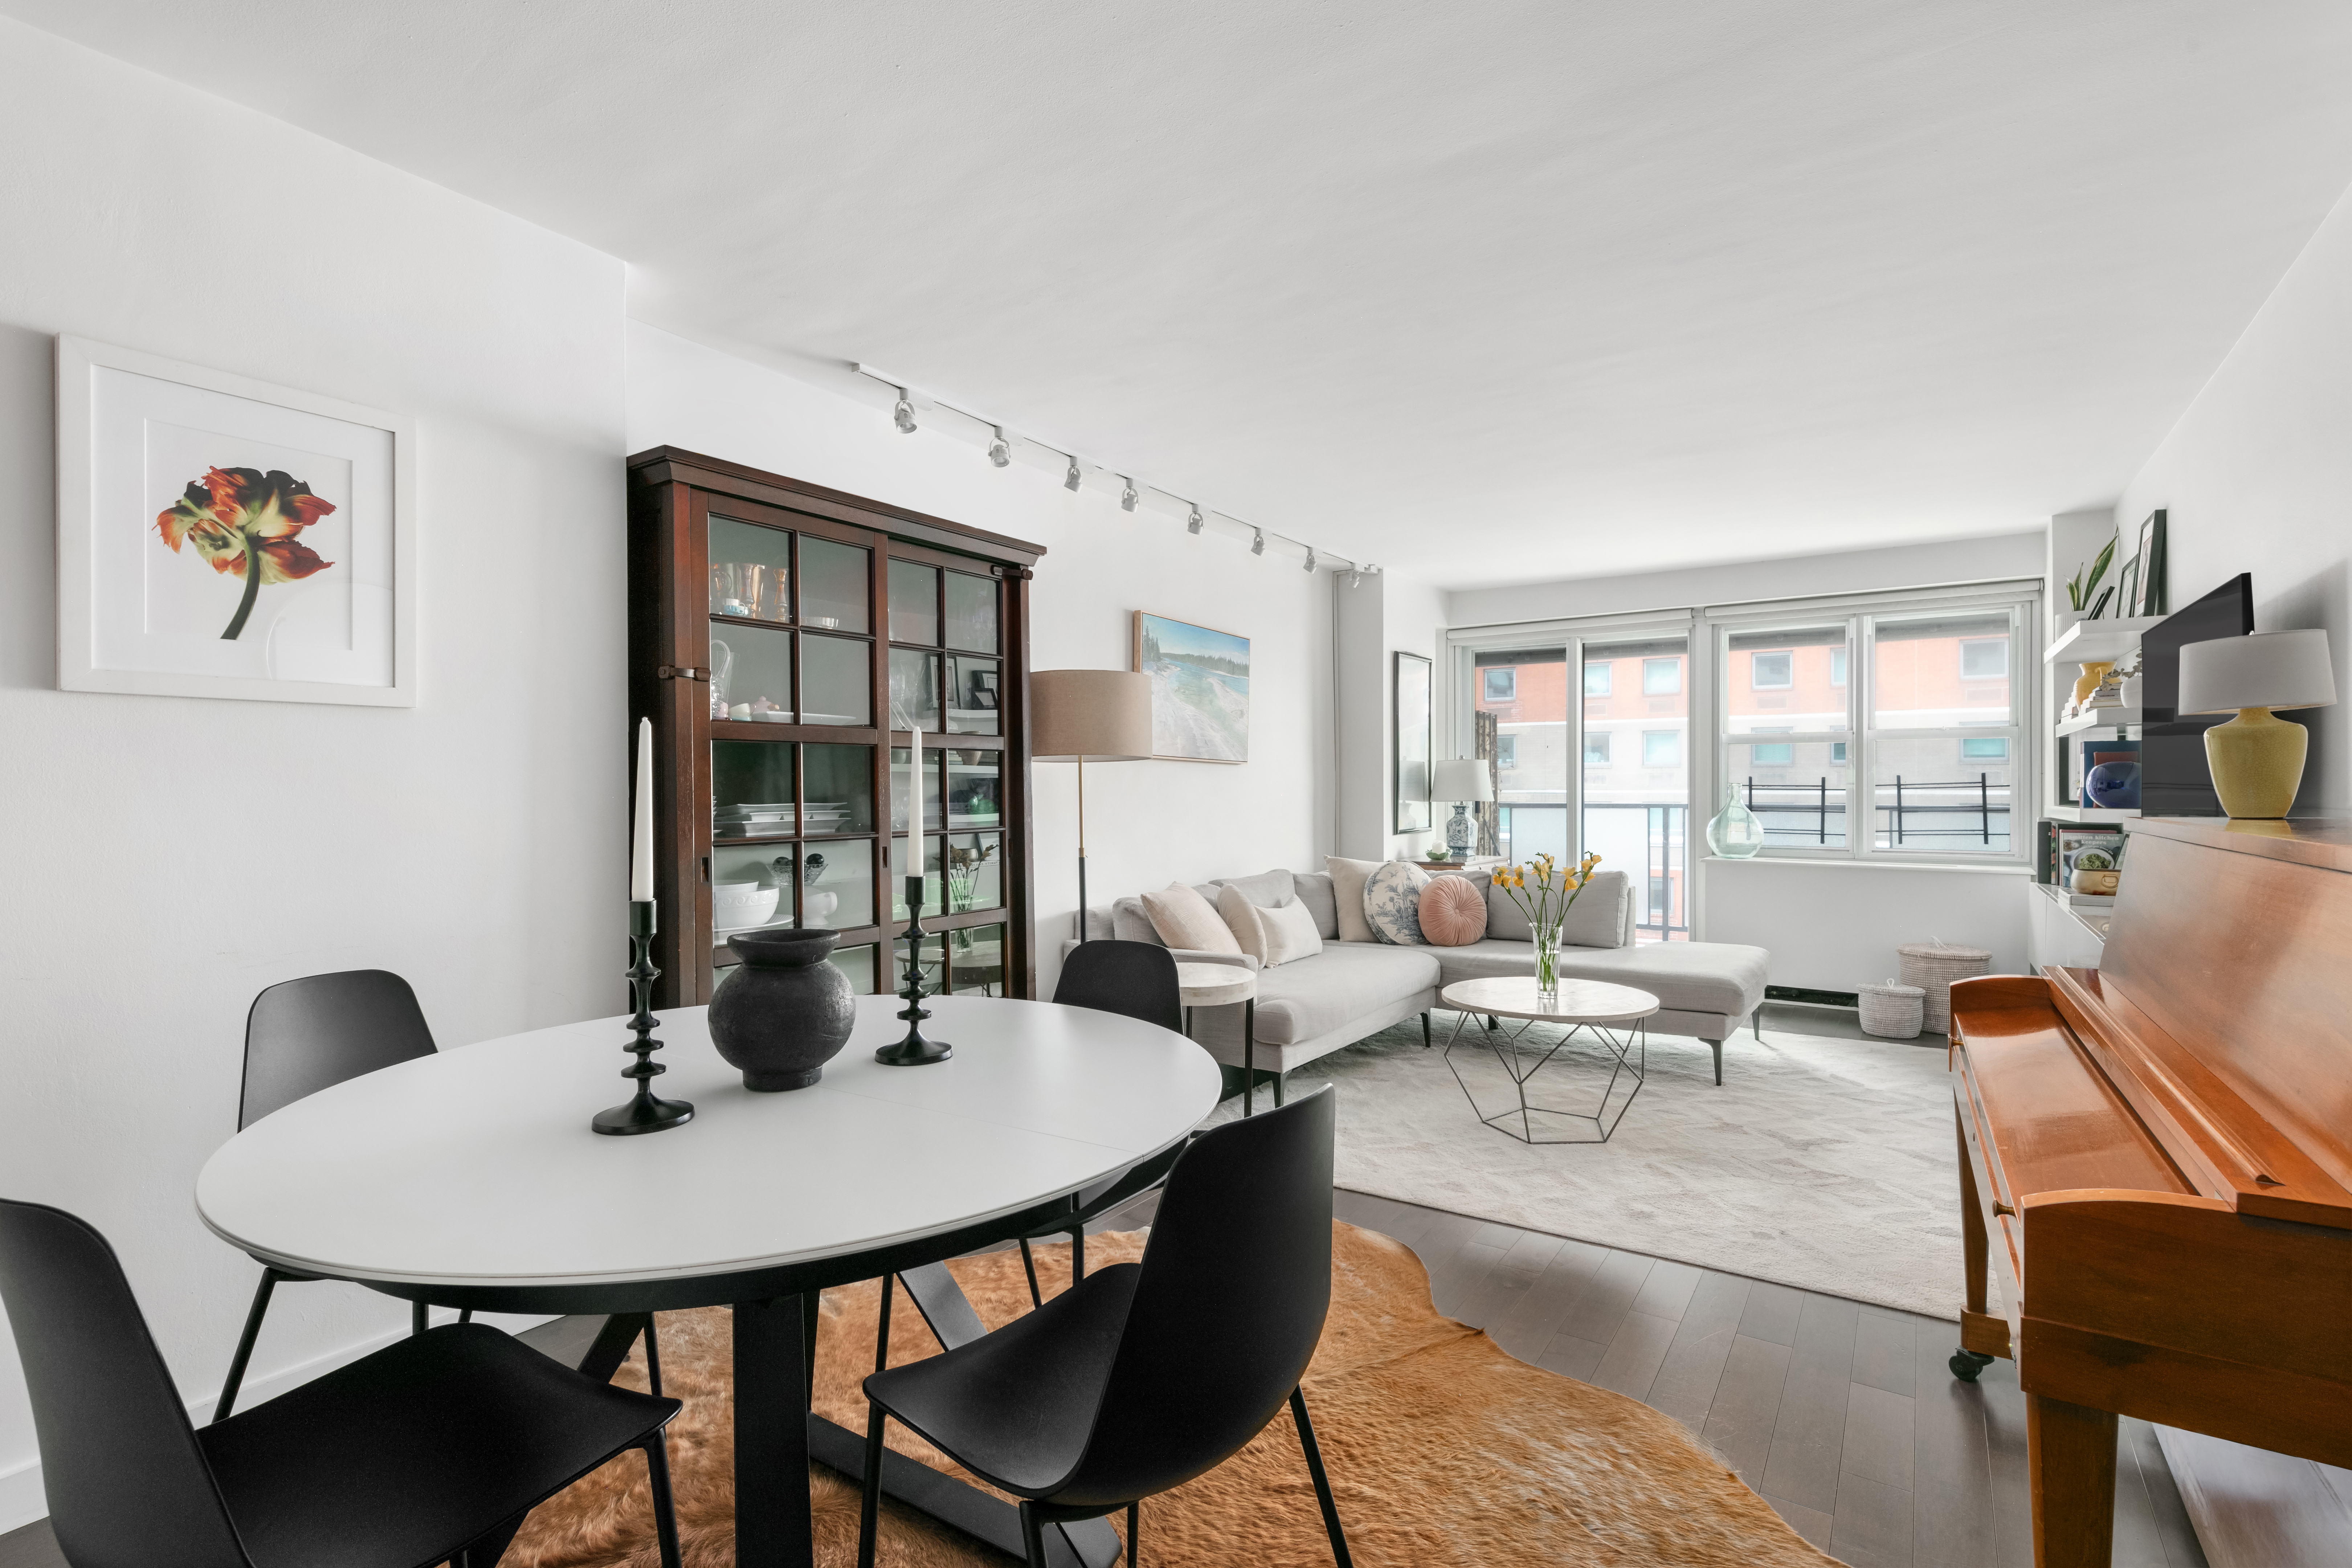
[[1735, 832]]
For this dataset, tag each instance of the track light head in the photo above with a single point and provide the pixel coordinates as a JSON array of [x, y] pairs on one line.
[[1310, 558], [1193, 524], [1356, 578], [1071, 479], [903, 413], [1127, 496], [999, 451], [1258, 541]]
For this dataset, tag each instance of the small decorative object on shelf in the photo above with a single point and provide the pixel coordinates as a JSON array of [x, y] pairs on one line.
[[1545, 907], [2113, 786], [2079, 592], [1735, 833], [915, 1051], [784, 1012], [647, 1112]]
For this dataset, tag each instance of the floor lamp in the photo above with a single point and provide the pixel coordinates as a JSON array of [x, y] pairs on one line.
[[1088, 716]]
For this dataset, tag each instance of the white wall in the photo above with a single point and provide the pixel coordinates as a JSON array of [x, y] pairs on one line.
[[2000, 555], [1147, 823], [167, 858], [2257, 476]]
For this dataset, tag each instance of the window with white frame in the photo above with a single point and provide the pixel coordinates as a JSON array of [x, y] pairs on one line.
[[1502, 685], [1596, 748], [1661, 676], [1506, 750], [1921, 753], [1662, 748], [1597, 679]]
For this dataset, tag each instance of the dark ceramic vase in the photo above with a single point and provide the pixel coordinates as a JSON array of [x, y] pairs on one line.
[[786, 1012]]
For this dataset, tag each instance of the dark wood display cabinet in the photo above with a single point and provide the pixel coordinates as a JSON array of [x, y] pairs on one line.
[[783, 638]]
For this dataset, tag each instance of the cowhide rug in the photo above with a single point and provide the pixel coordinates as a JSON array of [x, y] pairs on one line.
[[1441, 1450]]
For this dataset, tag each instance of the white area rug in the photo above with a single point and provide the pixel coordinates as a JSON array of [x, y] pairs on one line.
[[1826, 1165]]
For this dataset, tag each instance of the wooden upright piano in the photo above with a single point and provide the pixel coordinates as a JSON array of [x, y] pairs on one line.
[[2156, 1156]]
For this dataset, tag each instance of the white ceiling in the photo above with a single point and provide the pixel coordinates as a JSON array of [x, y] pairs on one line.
[[1489, 291]]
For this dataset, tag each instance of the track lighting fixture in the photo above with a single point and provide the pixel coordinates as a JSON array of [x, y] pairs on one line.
[[1127, 496], [999, 451], [1193, 524], [903, 414], [1258, 541], [1070, 480], [1355, 578], [1310, 558]]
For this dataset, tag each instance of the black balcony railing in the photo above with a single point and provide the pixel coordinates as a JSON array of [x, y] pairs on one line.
[[1661, 907], [1908, 812]]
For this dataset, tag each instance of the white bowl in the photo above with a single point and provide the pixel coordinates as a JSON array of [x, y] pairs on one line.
[[734, 905]]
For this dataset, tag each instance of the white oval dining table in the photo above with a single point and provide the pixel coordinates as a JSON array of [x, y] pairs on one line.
[[470, 1178]]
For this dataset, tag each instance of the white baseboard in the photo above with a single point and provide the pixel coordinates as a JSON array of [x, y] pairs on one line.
[[22, 1501]]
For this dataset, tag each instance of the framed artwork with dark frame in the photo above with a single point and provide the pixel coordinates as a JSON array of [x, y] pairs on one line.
[[2153, 600], [1410, 775], [2131, 587]]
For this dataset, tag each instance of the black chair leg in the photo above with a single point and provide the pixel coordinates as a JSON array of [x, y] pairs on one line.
[[882, 1333], [1424, 1030], [665, 1510], [869, 1503], [420, 1317], [1278, 1091], [466, 1314], [1033, 1538], [1322, 1482], [1029, 1267], [1077, 1255], [653, 1357], [244, 1344], [1134, 1534]]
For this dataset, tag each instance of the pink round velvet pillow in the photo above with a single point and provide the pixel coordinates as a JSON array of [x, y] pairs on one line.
[[1452, 912]]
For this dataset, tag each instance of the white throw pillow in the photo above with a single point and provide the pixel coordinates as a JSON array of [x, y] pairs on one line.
[[1289, 932], [1348, 878], [1184, 919], [1392, 903]]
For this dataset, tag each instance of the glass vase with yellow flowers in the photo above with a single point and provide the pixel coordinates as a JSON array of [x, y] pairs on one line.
[[1544, 890]]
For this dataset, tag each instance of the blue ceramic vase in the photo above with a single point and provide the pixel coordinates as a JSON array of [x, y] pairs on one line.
[[2113, 786]]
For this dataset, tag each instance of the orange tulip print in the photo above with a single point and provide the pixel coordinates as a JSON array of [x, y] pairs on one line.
[[234, 516]]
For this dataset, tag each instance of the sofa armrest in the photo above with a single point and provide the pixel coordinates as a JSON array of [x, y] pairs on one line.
[[1184, 955]]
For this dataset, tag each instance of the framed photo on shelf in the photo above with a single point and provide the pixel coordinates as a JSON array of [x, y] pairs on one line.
[[1413, 744], [983, 690], [1200, 689], [220, 536], [2152, 599], [2131, 592]]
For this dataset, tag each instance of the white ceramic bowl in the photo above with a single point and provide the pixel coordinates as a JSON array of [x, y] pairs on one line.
[[734, 905], [817, 907]]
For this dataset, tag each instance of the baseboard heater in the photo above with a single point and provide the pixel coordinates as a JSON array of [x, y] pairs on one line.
[[1812, 998]]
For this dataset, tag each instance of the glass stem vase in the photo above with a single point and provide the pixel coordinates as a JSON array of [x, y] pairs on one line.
[[1547, 943]]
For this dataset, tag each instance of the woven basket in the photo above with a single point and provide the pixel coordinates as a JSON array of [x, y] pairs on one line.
[[1892, 1012], [1933, 967]]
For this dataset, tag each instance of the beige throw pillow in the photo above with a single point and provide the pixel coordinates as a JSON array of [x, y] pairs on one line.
[[1240, 918], [1290, 932], [1184, 919], [1347, 877]]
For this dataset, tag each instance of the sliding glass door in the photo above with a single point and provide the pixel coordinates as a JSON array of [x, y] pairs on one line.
[[1636, 747], [1524, 693]]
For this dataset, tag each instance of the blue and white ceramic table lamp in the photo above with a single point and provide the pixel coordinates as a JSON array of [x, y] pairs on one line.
[[1462, 781]]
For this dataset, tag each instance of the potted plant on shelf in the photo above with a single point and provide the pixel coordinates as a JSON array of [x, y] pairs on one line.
[[2083, 599]]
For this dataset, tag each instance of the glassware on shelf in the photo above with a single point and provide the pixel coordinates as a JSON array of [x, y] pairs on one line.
[[722, 665], [758, 672], [1735, 833], [749, 591]]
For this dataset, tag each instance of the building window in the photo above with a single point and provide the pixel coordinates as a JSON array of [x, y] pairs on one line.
[[1984, 659], [1661, 897], [1769, 671], [1596, 748], [1772, 754], [1837, 667], [1506, 750], [1661, 676], [1984, 749], [1501, 685], [1837, 753], [1596, 678], [1662, 748]]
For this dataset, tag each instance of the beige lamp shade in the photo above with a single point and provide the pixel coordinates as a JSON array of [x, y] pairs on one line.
[[2266, 670], [1089, 716], [1460, 778]]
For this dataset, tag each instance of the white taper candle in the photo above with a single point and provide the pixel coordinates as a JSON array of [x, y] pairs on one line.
[[915, 797], [641, 852]]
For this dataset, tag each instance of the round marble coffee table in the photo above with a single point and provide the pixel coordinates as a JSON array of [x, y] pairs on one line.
[[1221, 986], [1592, 1011]]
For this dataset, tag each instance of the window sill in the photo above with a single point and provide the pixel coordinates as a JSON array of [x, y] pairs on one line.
[[1877, 863]]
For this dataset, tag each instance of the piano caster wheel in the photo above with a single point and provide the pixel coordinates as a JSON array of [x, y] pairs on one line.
[[1966, 1364]]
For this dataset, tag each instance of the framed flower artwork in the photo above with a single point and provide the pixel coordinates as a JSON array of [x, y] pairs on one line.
[[222, 537]]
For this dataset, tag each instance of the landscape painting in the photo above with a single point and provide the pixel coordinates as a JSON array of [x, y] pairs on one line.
[[1200, 689]]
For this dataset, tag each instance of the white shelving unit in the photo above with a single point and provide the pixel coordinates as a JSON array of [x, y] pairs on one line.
[[2100, 719], [2094, 642]]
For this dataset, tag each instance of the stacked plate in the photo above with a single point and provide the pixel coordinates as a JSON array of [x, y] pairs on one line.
[[770, 819]]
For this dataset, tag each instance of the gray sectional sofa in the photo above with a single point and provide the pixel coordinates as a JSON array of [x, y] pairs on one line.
[[1313, 1007]]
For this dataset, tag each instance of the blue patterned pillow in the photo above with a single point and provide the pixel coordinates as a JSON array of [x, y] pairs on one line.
[[1392, 903]]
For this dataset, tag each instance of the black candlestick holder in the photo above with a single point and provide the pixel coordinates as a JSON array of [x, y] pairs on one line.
[[646, 1114], [915, 1050]]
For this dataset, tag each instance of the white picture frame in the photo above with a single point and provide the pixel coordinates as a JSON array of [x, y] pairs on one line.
[[137, 602]]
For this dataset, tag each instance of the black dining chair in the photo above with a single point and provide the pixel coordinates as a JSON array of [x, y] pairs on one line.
[[303, 1036], [404, 1458], [1147, 1374], [1136, 980]]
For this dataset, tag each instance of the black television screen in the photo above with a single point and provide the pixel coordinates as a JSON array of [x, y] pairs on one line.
[[2173, 777]]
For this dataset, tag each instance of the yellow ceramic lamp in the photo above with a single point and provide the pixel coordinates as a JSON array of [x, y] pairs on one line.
[[2256, 759]]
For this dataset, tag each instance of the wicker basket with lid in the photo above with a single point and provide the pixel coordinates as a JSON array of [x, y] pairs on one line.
[[1933, 966]]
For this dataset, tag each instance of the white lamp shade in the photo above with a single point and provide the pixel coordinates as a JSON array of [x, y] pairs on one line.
[[1089, 716], [2266, 670], [1460, 778]]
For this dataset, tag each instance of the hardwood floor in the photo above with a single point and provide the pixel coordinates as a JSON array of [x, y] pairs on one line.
[[1843, 1415]]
